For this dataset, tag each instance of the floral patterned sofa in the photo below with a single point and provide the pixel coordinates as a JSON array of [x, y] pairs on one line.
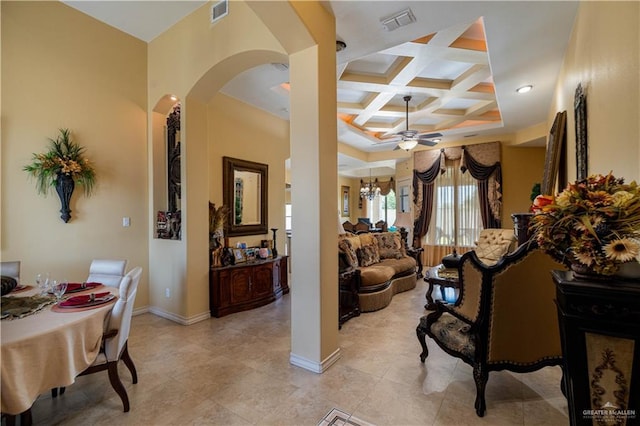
[[385, 268]]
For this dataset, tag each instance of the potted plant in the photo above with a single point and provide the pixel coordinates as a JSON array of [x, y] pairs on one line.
[[593, 225], [61, 167]]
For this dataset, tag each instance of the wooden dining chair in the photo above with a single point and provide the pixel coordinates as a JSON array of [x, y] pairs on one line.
[[11, 269], [107, 271], [115, 338]]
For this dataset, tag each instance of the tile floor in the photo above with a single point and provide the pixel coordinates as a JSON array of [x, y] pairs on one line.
[[235, 371]]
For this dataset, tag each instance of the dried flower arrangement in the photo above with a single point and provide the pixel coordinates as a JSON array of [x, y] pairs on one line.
[[594, 222]]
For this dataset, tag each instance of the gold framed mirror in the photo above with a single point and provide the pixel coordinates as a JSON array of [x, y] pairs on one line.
[[244, 186]]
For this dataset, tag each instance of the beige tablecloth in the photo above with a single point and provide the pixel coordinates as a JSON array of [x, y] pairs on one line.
[[47, 350]]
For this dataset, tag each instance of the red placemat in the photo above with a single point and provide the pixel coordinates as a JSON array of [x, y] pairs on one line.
[[56, 308], [78, 287]]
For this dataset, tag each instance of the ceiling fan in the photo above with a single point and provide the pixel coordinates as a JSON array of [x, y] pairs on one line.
[[409, 139]]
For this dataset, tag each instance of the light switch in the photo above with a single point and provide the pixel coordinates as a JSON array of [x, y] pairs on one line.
[[126, 222]]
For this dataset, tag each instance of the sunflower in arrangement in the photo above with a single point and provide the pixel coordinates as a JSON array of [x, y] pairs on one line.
[[593, 224]]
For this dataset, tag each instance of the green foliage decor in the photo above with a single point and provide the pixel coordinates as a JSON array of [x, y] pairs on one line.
[[64, 157]]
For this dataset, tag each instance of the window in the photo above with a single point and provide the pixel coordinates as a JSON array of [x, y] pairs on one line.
[[287, 217], [404, 198], [456, 219], [383, 207]]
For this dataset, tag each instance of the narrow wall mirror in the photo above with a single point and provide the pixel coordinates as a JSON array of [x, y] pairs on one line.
[[245, 193]]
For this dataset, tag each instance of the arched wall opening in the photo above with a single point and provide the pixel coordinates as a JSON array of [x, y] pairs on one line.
[[254, 33]]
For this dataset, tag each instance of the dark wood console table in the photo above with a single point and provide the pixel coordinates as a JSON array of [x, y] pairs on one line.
[[246, 286], [600, 332]]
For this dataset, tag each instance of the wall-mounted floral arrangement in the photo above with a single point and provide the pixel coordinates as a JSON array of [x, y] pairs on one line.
[[62, 167]]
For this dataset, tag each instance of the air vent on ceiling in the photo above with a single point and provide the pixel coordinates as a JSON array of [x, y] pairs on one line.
[[398, 20], [280, 66], [219, 10]]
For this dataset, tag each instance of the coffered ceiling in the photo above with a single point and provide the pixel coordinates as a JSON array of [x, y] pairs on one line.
[[447, 76], [460, 61]]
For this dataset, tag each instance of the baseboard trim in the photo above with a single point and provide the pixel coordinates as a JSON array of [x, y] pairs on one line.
[[179, 318], [316, 367], [140, 311]]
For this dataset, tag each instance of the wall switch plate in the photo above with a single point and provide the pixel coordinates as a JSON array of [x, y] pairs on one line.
[[167, 292], [126, 221]]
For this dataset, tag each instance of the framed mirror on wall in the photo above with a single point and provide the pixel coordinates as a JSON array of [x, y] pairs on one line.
[[244, 186], [557, 138]]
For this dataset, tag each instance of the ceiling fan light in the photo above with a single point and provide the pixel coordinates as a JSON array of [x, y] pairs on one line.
[[408, 145], [524, 89]]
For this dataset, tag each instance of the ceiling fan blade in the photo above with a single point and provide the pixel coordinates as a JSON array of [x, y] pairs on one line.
[[426, 142], [397, 148], [390, 139], [430, 135]]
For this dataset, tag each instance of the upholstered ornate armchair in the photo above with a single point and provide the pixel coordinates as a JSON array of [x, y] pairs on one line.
[[504, 319]]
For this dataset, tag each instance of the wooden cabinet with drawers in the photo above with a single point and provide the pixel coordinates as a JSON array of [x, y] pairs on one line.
[[246, 286]]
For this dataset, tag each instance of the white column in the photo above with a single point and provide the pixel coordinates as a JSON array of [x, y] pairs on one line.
[[314, 272]]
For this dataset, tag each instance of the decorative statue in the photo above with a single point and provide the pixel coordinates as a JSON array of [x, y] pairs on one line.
[[217, 218]]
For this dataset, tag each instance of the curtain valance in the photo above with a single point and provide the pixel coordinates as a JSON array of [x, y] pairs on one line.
[[386, 187], [483, 163]]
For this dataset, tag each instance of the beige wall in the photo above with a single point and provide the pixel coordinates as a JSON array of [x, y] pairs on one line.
[[354, 195], [194, 72], [521, 169], [61, 68], [264, 139], [603, 55]]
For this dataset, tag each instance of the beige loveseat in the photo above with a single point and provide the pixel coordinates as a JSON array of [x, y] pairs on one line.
[[385, 269]]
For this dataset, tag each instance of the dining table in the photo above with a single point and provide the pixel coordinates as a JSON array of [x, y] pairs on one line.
[[49, 348]]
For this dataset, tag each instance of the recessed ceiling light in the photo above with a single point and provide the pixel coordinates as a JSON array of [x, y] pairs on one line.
[[173, 98], [340, 45], [436, 140], [524, 89]]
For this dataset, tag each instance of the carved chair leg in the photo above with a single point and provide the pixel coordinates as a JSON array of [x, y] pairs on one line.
[[126, 358], [117, 384], [563, 384], [480, 376], [9, 419], [25, 418], [421, 332]]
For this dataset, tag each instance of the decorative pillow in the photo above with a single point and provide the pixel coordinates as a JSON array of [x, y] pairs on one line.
[[389, 245], [355, 241], [368, 255], [367, 239], [345, 247], [8, 284]]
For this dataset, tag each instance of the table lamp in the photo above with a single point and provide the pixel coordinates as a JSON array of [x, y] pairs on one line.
[[403, 222]]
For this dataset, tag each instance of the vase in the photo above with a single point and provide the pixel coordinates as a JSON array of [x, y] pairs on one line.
[[583, 272], [64, 187], [274, 251], [628, 271]]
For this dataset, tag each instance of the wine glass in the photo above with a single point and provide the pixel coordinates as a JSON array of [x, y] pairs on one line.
[[58, 288], [42, 283]]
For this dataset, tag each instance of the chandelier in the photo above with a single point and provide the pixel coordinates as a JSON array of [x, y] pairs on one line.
[[370, 189]]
